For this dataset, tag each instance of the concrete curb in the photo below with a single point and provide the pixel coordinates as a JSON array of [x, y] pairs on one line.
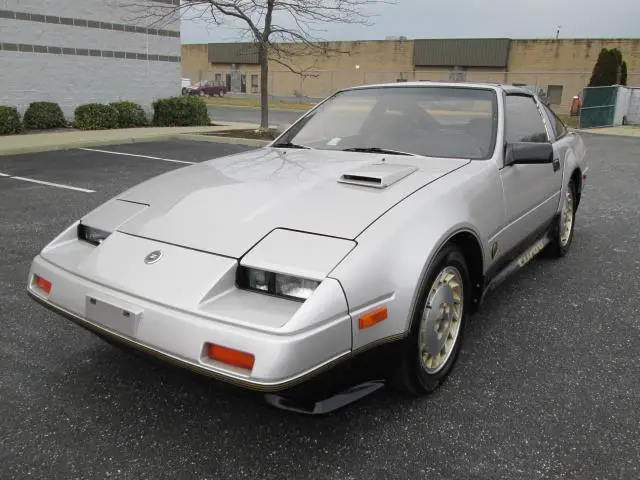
[[594, 132], [251, 142], [271, 109], [70, 145]]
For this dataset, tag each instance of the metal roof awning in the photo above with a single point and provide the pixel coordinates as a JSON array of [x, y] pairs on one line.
[[246, 53], [464, 52]]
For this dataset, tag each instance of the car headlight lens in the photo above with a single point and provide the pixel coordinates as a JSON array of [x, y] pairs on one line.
[[282, 285], [92, 235]]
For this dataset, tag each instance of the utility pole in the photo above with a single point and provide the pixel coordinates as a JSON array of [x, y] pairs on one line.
[[558, 31]]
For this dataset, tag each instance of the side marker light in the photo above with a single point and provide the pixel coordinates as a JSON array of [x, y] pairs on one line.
[[230, 356], [373, 317], [42, 284]]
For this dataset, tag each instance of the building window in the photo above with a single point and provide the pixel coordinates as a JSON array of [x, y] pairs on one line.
[[254, 84], [218, 78], [554, 94]]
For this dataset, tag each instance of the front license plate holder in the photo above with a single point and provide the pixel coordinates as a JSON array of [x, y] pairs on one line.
[[118, 316]]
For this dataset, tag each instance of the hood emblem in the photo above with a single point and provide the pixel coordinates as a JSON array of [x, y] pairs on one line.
[[153, 257]]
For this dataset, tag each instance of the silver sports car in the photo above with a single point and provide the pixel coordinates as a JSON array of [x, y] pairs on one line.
[[345, 255]]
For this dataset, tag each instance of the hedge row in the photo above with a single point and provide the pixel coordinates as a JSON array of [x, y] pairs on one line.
[[43, 115], [167, 112], [9, 121], [186, 111], [130, 115]]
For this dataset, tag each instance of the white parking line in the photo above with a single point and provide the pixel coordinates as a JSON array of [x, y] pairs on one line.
[[136, 155], [50, 184]]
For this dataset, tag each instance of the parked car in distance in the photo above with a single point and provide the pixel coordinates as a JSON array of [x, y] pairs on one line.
[[346, 254], [208, 88]]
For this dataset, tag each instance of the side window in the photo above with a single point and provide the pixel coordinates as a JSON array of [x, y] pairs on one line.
[[523, 120], [559, 128]]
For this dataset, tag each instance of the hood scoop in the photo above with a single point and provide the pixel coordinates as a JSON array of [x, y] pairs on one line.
[[377, 175]]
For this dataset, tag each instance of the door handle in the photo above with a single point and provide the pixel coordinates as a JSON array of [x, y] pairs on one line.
[[556, 164]]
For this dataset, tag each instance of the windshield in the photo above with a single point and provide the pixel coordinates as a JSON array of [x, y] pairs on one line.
[[432, 121]]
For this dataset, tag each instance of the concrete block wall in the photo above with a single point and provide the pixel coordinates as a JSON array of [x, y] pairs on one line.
[[573, 55], [542, 62], [71, 80], [70, 52]]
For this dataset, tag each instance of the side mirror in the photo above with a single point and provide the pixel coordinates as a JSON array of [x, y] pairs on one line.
[[528, 153]]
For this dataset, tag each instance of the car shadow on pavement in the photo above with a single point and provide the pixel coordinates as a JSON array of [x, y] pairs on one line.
[[125, 372]]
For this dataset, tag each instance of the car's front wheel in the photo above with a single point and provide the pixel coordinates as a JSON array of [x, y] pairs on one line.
[[437, 326], [563, 233]]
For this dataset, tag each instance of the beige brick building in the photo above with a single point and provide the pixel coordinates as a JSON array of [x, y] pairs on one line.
[[561, 68]]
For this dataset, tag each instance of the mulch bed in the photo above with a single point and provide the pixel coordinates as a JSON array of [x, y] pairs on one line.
[[249, 133]]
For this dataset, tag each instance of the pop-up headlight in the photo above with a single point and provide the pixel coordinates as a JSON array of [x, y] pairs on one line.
[[92, 235], [286, 286]]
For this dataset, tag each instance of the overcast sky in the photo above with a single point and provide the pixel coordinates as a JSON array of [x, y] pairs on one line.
[[471, 18]]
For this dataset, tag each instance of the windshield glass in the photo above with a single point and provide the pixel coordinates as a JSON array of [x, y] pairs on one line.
[[432, 121]]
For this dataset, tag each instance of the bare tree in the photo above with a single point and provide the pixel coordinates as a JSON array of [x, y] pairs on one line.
[[278, 29]]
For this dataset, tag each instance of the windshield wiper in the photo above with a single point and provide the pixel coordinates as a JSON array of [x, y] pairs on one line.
[[377, 150], [290, 145]]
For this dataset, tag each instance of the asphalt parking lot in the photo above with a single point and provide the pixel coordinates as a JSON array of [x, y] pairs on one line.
[[547, 385]]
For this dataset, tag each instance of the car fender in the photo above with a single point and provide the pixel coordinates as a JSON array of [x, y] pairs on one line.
[[395, 252], [574, 159]]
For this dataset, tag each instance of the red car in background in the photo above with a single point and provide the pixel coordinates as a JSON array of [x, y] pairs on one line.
[[208, 88]]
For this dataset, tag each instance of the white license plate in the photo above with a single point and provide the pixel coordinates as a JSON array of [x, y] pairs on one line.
[[116, 316]]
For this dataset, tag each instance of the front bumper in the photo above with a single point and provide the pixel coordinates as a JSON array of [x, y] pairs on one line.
[[282, 360]]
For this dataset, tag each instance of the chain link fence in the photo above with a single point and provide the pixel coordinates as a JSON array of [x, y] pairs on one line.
[[598, 107], [610, 106]]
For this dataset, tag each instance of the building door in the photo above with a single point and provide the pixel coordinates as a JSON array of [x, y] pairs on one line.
[[554, 94]]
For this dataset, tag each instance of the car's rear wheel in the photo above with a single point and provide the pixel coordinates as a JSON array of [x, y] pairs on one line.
[[437, 326], [563, 233]]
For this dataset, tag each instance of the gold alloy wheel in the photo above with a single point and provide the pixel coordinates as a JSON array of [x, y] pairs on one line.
[[441, 320], [566, 223]]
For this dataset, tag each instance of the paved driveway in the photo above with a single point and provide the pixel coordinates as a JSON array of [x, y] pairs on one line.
[[547, 386]]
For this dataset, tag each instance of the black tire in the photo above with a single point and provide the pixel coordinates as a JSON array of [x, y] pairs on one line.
[[411, 377], [556, 248]]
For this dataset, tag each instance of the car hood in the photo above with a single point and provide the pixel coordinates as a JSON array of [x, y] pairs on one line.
[[226, 205]]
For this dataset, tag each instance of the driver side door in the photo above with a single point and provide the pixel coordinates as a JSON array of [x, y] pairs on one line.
[[531, 191]]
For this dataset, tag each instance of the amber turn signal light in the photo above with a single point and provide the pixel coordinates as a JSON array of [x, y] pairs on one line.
[[373, 317], [230, 356], [42, 283]]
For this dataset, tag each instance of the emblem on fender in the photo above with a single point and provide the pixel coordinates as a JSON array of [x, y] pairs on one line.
[[153, 257]]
